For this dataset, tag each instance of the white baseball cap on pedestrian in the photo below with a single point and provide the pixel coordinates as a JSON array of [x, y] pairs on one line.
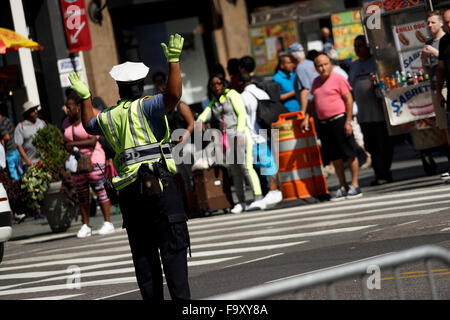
[[30, 105], [129, 72]]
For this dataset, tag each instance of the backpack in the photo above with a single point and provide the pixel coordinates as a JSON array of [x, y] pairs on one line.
[[268, 111], [271, 87]]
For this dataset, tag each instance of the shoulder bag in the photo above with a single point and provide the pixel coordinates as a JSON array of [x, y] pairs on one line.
[[83, 160]]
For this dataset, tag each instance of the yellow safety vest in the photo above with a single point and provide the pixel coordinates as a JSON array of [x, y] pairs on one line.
[[127, 131]]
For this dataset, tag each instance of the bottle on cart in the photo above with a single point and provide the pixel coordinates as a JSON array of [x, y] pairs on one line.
[[426, 76], [404, 81], [420, 76], [398, 78], [409, 78], [416, 78], [387, 82], [393, 82], [382, 85]]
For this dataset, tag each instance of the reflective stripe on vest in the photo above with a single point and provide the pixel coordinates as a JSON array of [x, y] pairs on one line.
[[300, 174], [300, 143], [142, 153], [127, 130]]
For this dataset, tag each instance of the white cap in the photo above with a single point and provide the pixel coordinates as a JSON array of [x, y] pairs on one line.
[[129, 71], [30, 105]]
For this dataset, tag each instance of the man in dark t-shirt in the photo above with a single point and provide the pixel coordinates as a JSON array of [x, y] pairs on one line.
[[443, 72]]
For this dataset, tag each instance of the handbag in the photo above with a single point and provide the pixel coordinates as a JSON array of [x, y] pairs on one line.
[[225, 142], [83, 160]]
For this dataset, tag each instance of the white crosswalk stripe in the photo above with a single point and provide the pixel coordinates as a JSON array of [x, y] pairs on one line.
[[220, 241]]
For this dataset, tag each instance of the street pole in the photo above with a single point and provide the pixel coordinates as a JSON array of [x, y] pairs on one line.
[[26, 61]]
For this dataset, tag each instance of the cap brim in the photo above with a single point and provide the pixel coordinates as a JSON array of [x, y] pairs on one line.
[[130, 82]]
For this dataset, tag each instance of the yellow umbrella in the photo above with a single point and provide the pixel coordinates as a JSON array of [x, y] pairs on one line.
[[11, 40]]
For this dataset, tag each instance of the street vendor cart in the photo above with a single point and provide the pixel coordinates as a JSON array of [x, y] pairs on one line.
[[396, 32]]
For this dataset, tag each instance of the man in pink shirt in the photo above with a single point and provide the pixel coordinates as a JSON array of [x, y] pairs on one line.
[[333, 104]]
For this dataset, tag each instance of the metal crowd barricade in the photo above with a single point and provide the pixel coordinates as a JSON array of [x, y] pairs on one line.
[[334, 274]]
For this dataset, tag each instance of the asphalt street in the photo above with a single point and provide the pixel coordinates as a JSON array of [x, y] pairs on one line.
[[237, 251]]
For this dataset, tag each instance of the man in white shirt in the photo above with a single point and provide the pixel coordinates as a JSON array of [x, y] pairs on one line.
[[261, 150]]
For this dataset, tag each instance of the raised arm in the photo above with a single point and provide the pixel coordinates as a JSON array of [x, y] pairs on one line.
[[174, 85], [87, 110]]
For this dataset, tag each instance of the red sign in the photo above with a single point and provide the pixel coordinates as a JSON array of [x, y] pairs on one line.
[[76, 24]]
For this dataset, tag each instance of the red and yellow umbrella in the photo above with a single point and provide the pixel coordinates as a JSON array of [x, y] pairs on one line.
[[11, 40]]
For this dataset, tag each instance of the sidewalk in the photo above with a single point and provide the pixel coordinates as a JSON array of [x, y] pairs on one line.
[[33, 228], [407, 171]]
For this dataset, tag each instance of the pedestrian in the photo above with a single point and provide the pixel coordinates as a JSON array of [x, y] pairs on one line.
[[285, 77], [370, 113], [228, 109], [12, 153], [159, 79], [233, 72], [181, 120], [443, 73], [325, 35], [24, 132], [305, 73], [333, 103], [430, 63], [152, 207], [247, 65], [357, 133], [261, 149], [75, 136], [110, 171]]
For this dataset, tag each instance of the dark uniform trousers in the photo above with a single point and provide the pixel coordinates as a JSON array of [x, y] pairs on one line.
[[157, 222], [380, 146]]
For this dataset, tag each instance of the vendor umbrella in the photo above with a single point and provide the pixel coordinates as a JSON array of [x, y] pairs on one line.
[[11, 40]]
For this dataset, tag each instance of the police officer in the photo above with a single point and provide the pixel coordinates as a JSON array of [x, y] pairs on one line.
[[151, 205]]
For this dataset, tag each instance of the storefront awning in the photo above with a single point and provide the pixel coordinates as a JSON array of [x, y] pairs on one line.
[[11, 40]]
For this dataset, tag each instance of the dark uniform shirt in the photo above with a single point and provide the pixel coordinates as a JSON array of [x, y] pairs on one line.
[[444, 55]]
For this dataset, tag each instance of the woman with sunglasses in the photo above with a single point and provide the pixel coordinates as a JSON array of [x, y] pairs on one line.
[[229, 110]]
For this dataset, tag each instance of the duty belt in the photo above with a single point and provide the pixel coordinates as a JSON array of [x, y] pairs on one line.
[[144, 153]]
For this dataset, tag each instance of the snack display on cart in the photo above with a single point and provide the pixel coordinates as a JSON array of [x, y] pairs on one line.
[[389, 5], [403, 85]]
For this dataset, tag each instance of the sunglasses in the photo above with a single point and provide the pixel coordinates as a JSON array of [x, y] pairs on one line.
[[213, 84]]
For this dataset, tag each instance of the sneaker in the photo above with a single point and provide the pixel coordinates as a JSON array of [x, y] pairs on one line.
[[273, 197], [84, 232], [238, 208], [20, 218], [354, 192], [256, 205], [339, 195], [445, 176], [107, 228]]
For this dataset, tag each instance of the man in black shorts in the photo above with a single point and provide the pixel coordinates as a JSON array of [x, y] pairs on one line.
[[333, 103], [443, 71]]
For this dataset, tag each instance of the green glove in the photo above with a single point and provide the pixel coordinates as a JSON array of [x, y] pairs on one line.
[[79, 86], [174, 50]]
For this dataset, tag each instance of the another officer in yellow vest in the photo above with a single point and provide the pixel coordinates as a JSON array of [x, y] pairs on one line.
[[151, 205]]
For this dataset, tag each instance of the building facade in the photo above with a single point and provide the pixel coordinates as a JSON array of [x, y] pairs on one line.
[[125, 30]]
